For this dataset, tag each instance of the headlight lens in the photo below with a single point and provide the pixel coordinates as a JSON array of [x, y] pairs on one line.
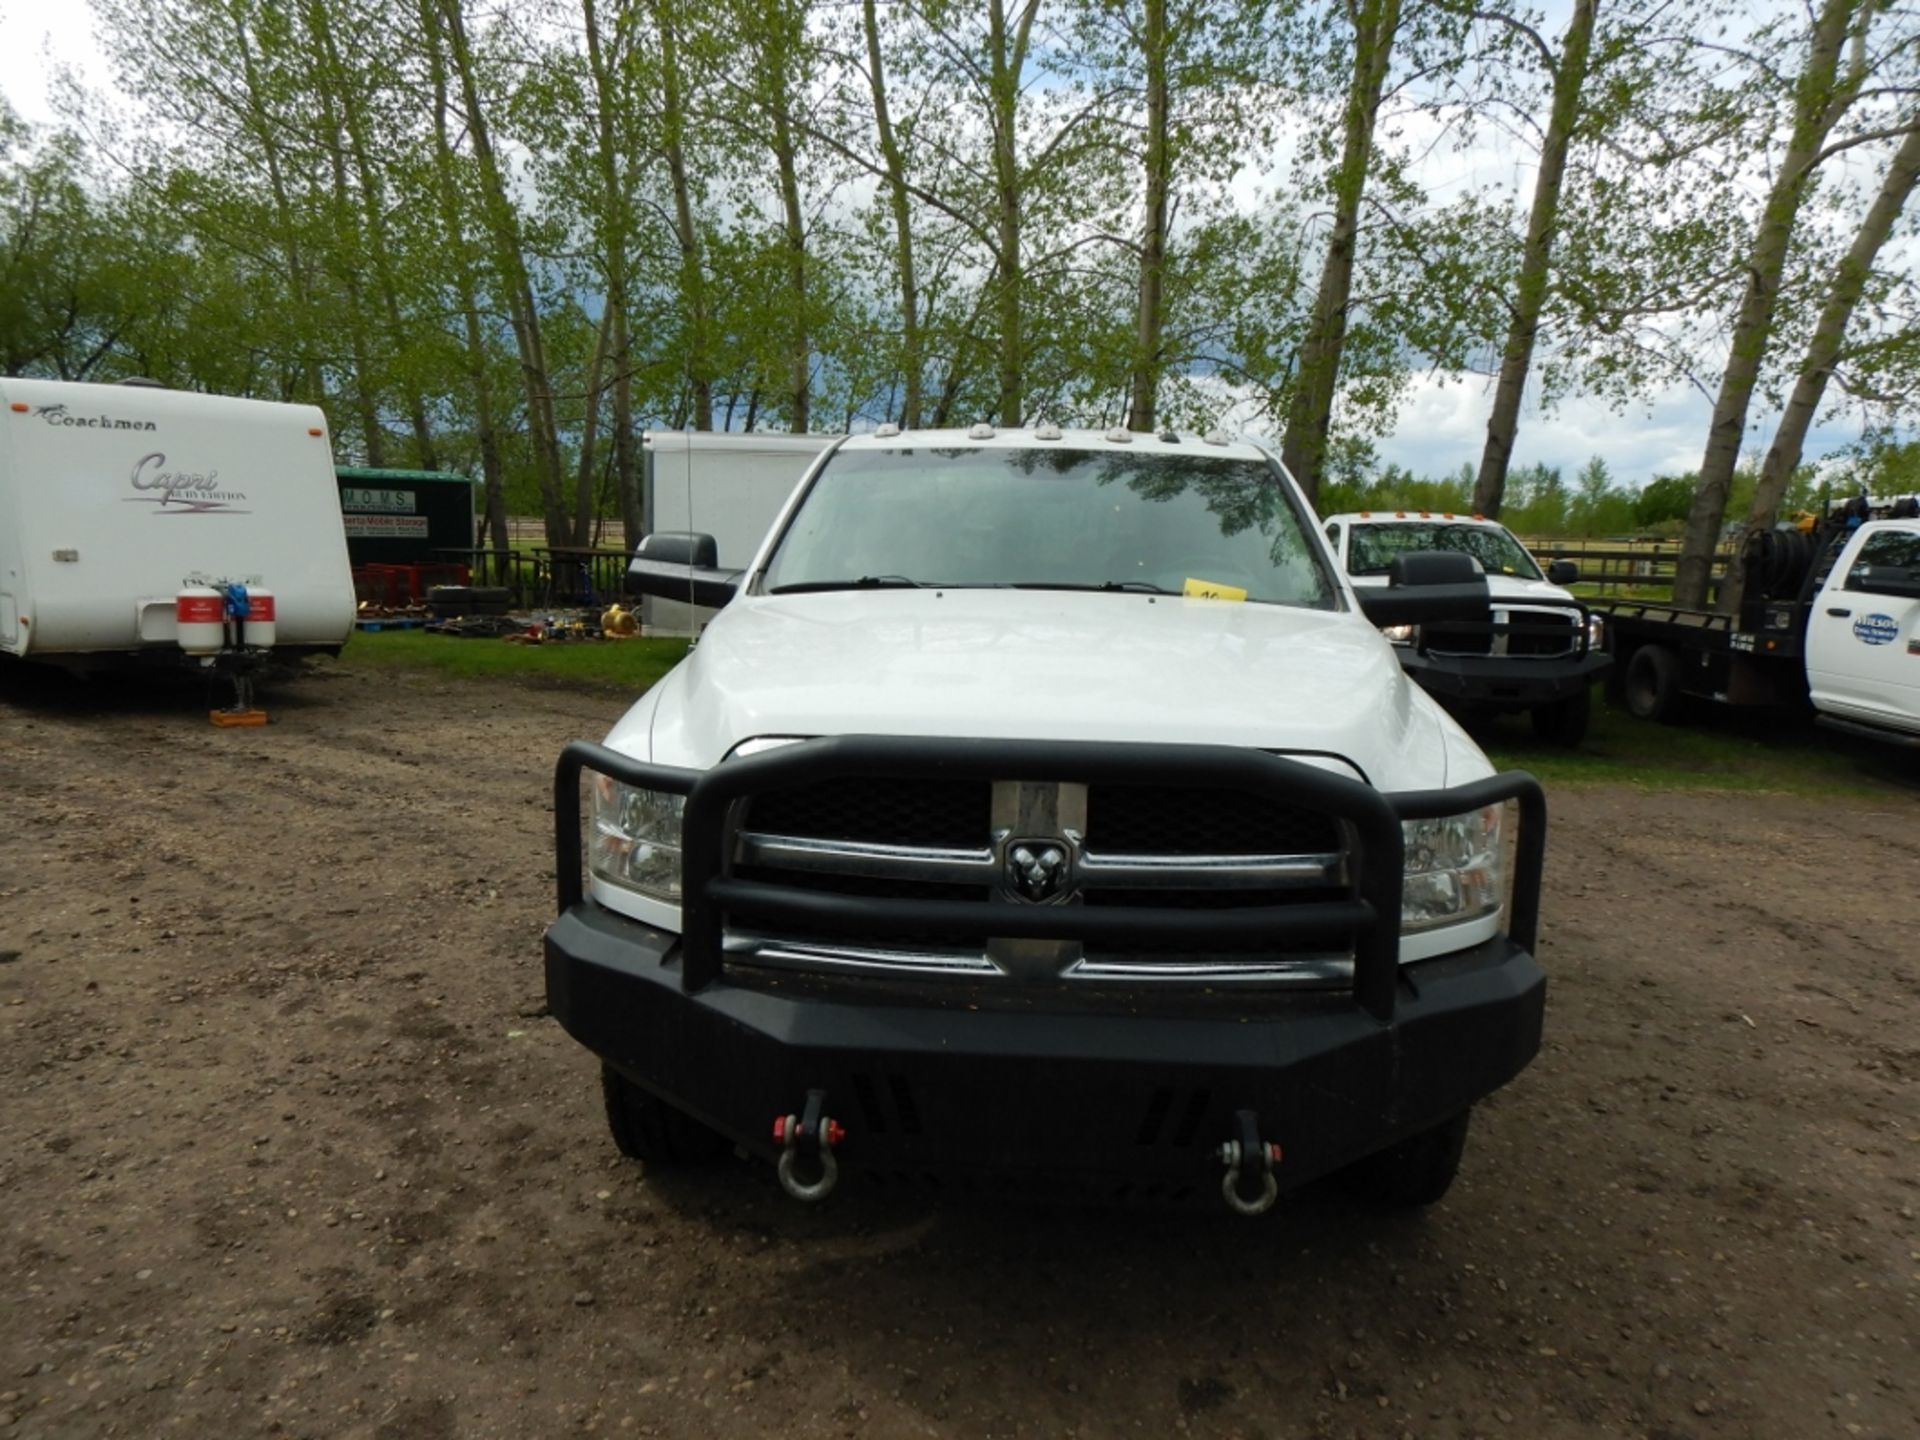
[[635, 838], [1596, 632], [1398, 634], [1455, 869]]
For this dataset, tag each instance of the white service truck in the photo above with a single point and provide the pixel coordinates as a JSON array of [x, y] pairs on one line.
[[1539, 649], [1830, 617], [1047, 803], [130, 511]]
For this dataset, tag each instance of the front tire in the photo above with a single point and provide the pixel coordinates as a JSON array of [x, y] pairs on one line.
[[646, 1128], [1564, 722], [1417, 1171]]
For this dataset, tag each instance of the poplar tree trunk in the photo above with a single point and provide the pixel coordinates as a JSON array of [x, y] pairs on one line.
[[1530, 291], [298, 279], [1151, 320], [522, 311], [583, 506], [693, 286], [1303, 446], [911, 364], [1007, 56], [374, 217], [614, 231], [1823, 353], [447, 194], [800, 353], [1818, 104], [346, 249]]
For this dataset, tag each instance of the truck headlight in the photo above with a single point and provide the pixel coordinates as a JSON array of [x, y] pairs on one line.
[[1398, 634], [1455, 869], [1596, 632], [634, 840]]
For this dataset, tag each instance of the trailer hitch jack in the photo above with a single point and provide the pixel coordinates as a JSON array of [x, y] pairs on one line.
[[1248, 1152], [808, 1139]]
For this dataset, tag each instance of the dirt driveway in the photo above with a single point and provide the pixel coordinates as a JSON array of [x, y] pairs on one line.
[[287, 1148]]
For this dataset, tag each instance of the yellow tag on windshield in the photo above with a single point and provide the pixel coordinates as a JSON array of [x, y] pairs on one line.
[[1211, 590]]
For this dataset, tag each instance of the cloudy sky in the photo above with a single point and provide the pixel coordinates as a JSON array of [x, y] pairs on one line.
[[1441, 427]]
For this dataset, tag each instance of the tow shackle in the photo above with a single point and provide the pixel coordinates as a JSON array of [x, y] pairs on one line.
[[808, 1139], [1246, 1151]]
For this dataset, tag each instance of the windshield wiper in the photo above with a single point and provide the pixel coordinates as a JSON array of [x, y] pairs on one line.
[[1142, 587], [865, 582]]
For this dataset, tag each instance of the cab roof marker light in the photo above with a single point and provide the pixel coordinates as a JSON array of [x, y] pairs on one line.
[[886, 431], [1046, 432], [982, 431], [1217, 437], [1170, 437], [19, 407], [315, 430], [1120, 435]]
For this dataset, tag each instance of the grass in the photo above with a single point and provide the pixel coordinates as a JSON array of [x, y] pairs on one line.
[[628, 666], [1716, 749]]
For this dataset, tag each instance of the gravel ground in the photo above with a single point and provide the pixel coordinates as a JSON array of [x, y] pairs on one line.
[[290, 1148]]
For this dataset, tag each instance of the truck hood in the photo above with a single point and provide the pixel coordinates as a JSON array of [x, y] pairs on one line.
[[1509, 588], [1007, 664]]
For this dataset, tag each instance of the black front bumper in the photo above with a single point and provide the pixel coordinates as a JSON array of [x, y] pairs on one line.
[[1138, 1097], [1517, 681], [1138, 1082]]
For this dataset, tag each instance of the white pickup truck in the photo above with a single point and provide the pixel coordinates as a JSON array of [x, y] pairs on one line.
[[1539, 649], [1044, 804]]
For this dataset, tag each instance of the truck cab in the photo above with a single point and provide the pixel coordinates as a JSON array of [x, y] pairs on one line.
[[1047, 803], [1538, 650], [1863, 634]]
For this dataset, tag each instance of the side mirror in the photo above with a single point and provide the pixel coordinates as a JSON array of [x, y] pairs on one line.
[[1562, 572], [681, 565], [1425, 586]]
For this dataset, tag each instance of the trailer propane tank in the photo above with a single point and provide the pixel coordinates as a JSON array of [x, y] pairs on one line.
[[256, 630], [200, 616]]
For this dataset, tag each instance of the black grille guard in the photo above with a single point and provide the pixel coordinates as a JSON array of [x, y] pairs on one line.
[[1530, 626], [1369, 917]]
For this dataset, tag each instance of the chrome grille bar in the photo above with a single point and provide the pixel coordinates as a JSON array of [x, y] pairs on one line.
[[1207, 872], [823, 957], [859, 857], [1095, 871]]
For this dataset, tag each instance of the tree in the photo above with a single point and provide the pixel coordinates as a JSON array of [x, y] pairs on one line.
[[1375, 25], [1823, 92], [1569, 72], [1824, 352], [1664, 500]]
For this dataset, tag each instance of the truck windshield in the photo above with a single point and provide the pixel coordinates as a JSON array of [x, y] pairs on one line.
[[1372, 548], [1050, 519]]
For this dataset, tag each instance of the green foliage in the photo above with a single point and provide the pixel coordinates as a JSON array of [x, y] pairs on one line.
[[292, 202], [1664, 501]]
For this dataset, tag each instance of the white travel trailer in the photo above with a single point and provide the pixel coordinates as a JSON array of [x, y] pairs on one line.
[[730, 486], [116, 499]]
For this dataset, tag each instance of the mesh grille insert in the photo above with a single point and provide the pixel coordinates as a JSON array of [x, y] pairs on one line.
[[950, 813], [1175, 820]]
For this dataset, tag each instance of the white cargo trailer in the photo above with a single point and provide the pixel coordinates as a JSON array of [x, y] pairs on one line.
[[116, 498], [732, 487]]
